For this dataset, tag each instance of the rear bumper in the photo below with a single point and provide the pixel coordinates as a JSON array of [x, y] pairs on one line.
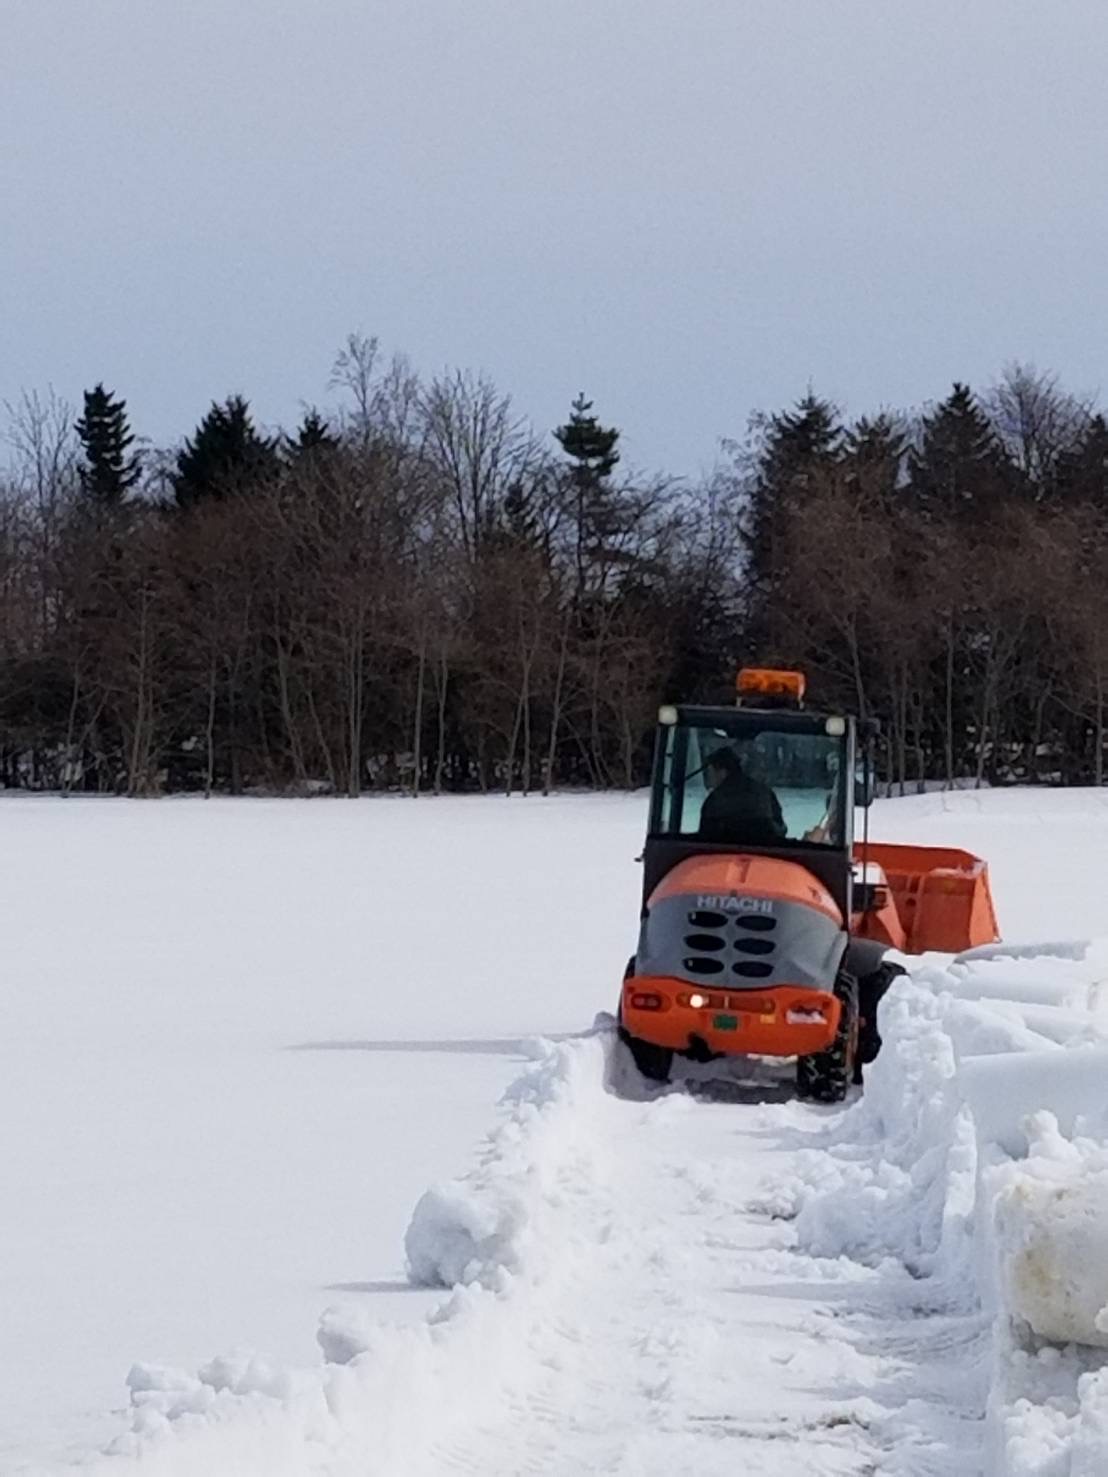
[[788, 1020]]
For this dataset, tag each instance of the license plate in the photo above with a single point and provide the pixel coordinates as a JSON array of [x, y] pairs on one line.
[[726, 1022]]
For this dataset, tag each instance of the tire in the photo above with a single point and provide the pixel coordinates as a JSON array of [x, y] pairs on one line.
[[824, 1076], [653, 1062], [871, 990]]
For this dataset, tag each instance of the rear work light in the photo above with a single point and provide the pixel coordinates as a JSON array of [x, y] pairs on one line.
[[646, 1002], [742, 1002], [702, 1000], [798, 1016]]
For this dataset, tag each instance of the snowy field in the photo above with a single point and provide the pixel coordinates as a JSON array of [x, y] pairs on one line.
[[243, 1039]]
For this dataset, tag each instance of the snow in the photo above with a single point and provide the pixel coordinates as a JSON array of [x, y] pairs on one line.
[[251, 1048], [240, 1039]]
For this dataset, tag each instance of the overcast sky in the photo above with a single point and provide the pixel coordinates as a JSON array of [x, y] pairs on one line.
[[690, 209]]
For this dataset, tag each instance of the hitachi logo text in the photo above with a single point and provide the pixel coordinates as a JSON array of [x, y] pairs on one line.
[[733, 904]]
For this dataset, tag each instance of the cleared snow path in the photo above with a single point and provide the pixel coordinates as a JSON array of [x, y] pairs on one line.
[[686, 1333], [692, 1337]]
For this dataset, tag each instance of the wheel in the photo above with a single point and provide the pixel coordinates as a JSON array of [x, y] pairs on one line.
[[824, 1076], [654, 1062], [871, 989]]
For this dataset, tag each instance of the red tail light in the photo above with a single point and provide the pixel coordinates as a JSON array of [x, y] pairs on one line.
[[646, 1002]]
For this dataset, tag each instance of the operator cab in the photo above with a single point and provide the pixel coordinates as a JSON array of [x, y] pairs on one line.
[[763, 778]]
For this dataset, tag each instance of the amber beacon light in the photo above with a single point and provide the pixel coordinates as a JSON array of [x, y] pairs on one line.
[[769, 682]]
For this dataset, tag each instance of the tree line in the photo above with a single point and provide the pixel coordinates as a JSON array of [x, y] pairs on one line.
[[419, 591]]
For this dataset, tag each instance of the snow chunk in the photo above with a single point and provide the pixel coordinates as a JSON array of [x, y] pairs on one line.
[[489, 1226], [454, 1238], [1052, 1237]]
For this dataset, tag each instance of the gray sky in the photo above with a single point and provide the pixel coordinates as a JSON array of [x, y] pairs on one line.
[[689, 208]]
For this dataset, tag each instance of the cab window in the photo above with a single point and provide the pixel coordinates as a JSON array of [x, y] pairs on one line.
[[752, 784]]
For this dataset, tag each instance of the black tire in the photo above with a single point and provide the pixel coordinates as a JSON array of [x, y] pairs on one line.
[[871, 990], [824, 1076], [653, 1062]]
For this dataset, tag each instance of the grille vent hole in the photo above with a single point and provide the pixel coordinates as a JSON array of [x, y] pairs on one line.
[[751, 969], [704, 919], [756, 922], [708, 943], [703, 966], [755, 946]]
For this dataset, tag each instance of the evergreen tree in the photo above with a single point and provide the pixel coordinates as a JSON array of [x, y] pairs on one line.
[[873, 454], [590, 446], [799, 447], [225, 455], [959, 468], [109, 471], [1083, 472], [596, 507], [314, 434]]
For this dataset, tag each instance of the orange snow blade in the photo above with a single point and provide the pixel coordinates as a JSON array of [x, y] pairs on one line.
[[938, 898]]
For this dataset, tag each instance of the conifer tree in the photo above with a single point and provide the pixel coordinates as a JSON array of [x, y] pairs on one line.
[[959, 468], [800, 445], [225, 455], [590, 446], [596, 507], [1083, 472], [313, 435], [873, 453], [109, 470]]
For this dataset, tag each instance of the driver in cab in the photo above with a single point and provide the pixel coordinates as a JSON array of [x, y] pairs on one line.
[[737, 806]]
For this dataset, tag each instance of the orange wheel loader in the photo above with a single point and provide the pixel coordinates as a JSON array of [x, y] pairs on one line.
[[764, 925]]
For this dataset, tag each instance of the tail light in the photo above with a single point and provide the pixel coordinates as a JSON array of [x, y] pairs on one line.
[[646, 1002]]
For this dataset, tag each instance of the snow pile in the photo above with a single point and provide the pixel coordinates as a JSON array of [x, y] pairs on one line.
[[495, 1222], [899, 1180], [978, 1159], [1051, 1227], [504, 1238]]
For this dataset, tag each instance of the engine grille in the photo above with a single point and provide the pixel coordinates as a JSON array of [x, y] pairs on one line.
[[724, 942]]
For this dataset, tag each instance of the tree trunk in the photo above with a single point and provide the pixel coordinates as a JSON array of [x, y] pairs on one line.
[[210, 730], [417, 725], [440, 755], [511, 765], [556, 710], [949, 707], [355, 697], [299, 768]]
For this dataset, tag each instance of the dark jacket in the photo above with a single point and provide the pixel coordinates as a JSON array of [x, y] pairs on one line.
[[744, 810]]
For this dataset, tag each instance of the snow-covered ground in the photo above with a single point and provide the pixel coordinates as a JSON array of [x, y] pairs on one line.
[[241, 1040]]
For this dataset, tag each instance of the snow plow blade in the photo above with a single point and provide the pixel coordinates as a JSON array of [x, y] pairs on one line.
[[918, 898]]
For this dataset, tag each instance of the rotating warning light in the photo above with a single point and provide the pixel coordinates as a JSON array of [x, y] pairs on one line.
[[769, 682]]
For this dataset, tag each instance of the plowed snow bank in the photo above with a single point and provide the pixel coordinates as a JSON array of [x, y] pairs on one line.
[[979, 1158]]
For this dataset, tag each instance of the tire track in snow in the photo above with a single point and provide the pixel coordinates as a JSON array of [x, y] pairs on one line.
[[685, 1333]]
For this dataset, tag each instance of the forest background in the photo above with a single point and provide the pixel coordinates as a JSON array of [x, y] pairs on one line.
[[420, 591]]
